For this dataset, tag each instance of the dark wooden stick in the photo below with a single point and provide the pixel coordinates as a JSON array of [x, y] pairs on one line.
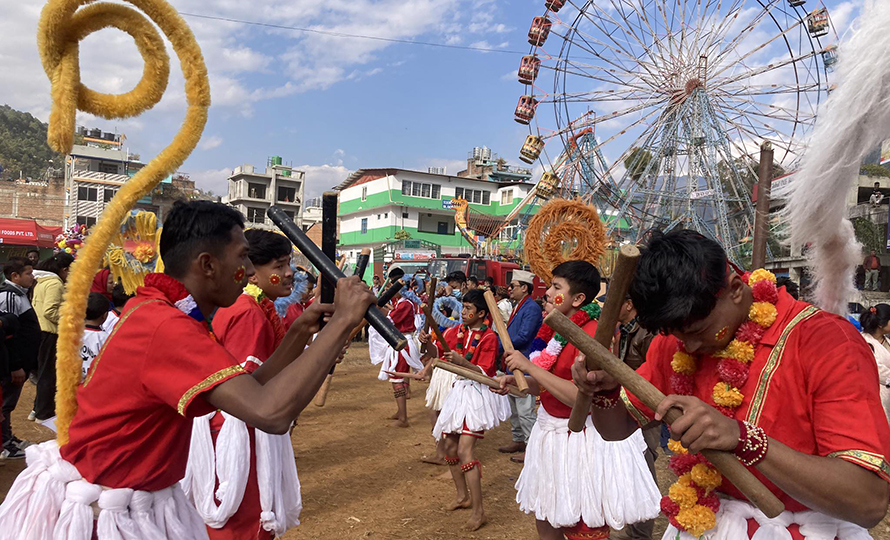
[[501, 327], [622, 275], [477, 376], [430, 298], [390, 292], [329, 249], [331, 273], [428, 311], [602, 359], [362, 263]]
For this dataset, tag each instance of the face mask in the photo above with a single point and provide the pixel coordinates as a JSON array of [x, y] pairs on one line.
[[457, 294]]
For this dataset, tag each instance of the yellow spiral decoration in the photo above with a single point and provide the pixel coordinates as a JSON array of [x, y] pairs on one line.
[[63, 23]]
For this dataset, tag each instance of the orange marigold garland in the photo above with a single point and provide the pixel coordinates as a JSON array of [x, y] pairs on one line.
[[690, 504]]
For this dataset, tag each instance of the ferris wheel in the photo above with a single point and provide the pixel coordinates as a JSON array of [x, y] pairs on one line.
[[659, 107]]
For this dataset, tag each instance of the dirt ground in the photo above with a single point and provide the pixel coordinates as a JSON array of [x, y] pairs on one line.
[[362, 478]]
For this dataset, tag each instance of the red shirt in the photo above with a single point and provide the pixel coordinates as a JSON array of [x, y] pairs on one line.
[[244, 331], [135, 408], [293, 313], [486, 350], [813, 385], [563, 369], [402, 315]]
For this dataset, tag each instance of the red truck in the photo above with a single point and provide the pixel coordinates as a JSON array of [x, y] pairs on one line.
[[500, 271]]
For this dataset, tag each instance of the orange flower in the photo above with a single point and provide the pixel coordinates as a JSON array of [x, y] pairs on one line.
[[685, 496], [683, 363], [676, 447], [727, 396], [696, 519], [740, 350], [706, 477], [763, 313], [761, 275]]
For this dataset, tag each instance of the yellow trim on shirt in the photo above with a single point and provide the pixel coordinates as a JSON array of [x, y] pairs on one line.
[[205, 384]]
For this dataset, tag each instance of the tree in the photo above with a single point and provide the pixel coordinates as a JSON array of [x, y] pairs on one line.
[[23, 146], [747, 169], [637, 161]]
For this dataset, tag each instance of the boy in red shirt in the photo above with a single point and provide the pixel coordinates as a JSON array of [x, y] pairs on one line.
[[470, 409], [576, 484], [251, 330], [160, 368]]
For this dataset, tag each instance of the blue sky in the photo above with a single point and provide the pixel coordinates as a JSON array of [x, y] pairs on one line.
[[328, 105]]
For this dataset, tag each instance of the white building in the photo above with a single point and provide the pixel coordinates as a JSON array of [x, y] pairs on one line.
[[252, 192]]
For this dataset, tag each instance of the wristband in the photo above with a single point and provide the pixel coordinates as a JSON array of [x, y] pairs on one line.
[[753, 444]]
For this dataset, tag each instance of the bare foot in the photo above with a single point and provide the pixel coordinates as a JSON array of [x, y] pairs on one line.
[[475, 523], [459, 505], [445, 476], [400, 423], [434, 460], [395, 416]]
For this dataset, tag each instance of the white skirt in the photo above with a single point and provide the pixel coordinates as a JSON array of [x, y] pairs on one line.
[[50, 499], [388, 358], [471, 403], [732, 524], [229, 463], [571, 477], [441, 382]]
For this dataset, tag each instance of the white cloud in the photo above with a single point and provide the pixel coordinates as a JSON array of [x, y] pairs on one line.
[[215, 180], [321, 178], [211, 142]]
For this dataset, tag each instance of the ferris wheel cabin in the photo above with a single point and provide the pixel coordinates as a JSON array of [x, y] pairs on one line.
[[539, 31], [531, 149], [528, 68], [796, 3], [525, 109], [829, 56], [555, 5], [547, 185], [818, 22]]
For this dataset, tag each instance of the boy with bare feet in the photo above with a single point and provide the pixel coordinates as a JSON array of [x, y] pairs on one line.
[[470, 408]]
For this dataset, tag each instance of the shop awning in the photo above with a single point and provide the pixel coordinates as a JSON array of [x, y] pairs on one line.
[[27, 232]]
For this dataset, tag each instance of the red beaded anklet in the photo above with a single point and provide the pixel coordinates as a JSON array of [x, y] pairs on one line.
[[452, 461], [467, 467]]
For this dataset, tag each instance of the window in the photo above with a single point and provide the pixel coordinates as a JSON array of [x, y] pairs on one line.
[[364, 225], [507, 196], [110, 168], [404, 215], [421, 189], [386, 215], [475, 196], [88, 221], [290, 214], [287, 194], [443, 227], [108, 194], [86, 193], [365, 193], [256, 215], [256, 191]]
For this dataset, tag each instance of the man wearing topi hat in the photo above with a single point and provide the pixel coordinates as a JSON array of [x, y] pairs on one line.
[[523, 327]]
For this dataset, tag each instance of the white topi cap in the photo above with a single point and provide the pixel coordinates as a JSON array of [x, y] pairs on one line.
[[523, 275]]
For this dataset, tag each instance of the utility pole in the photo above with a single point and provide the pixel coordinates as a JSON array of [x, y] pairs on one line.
[[761, 214]]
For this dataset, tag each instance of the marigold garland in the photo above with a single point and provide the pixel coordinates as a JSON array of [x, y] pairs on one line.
[[691, 505], [547, 345]]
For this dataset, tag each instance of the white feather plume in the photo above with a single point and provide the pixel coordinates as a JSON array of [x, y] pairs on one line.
[[854, 120]]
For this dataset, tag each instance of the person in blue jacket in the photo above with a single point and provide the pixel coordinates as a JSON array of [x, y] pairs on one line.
[[522, 327]]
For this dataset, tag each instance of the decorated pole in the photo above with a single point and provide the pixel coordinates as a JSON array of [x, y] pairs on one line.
[[501, 327], [329, 270], [600, 357], [628, 256]]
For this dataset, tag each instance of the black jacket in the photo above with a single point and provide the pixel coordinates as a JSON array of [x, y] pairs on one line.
[[23, 344], [9, 325]]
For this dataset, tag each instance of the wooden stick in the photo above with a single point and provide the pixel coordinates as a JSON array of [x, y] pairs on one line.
[[477, 376], [390, 292], [427, 320], [361, 263], [622, 275], [726, 462], [501, 327], [329, 201], [428, 311], [403, 375]]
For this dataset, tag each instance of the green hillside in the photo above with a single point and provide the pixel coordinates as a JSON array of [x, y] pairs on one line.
[[23, 146]]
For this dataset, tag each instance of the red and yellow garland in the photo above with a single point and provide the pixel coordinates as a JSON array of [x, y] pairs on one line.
[[691, 504]]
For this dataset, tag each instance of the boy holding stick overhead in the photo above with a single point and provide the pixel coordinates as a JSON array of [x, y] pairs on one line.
[[470, 409], [576, 484], [789, 389]]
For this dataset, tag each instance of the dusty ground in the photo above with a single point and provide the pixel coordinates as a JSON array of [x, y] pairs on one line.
[[362, 478]]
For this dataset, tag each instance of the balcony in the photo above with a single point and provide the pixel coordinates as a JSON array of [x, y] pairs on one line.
[[875, 214]]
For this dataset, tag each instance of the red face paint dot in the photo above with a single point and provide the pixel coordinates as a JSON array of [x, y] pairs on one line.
[[239, 275], [559, 299], [722, 333], [274, 279]]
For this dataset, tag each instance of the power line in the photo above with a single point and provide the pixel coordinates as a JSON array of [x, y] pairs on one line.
[[346, 35]]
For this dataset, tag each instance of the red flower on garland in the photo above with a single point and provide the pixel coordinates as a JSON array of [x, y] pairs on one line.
[[172, 288], [765, 291], [682, 384], [683, 463], [732, 372], [711, 502], [751, 332], [669, 507]]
